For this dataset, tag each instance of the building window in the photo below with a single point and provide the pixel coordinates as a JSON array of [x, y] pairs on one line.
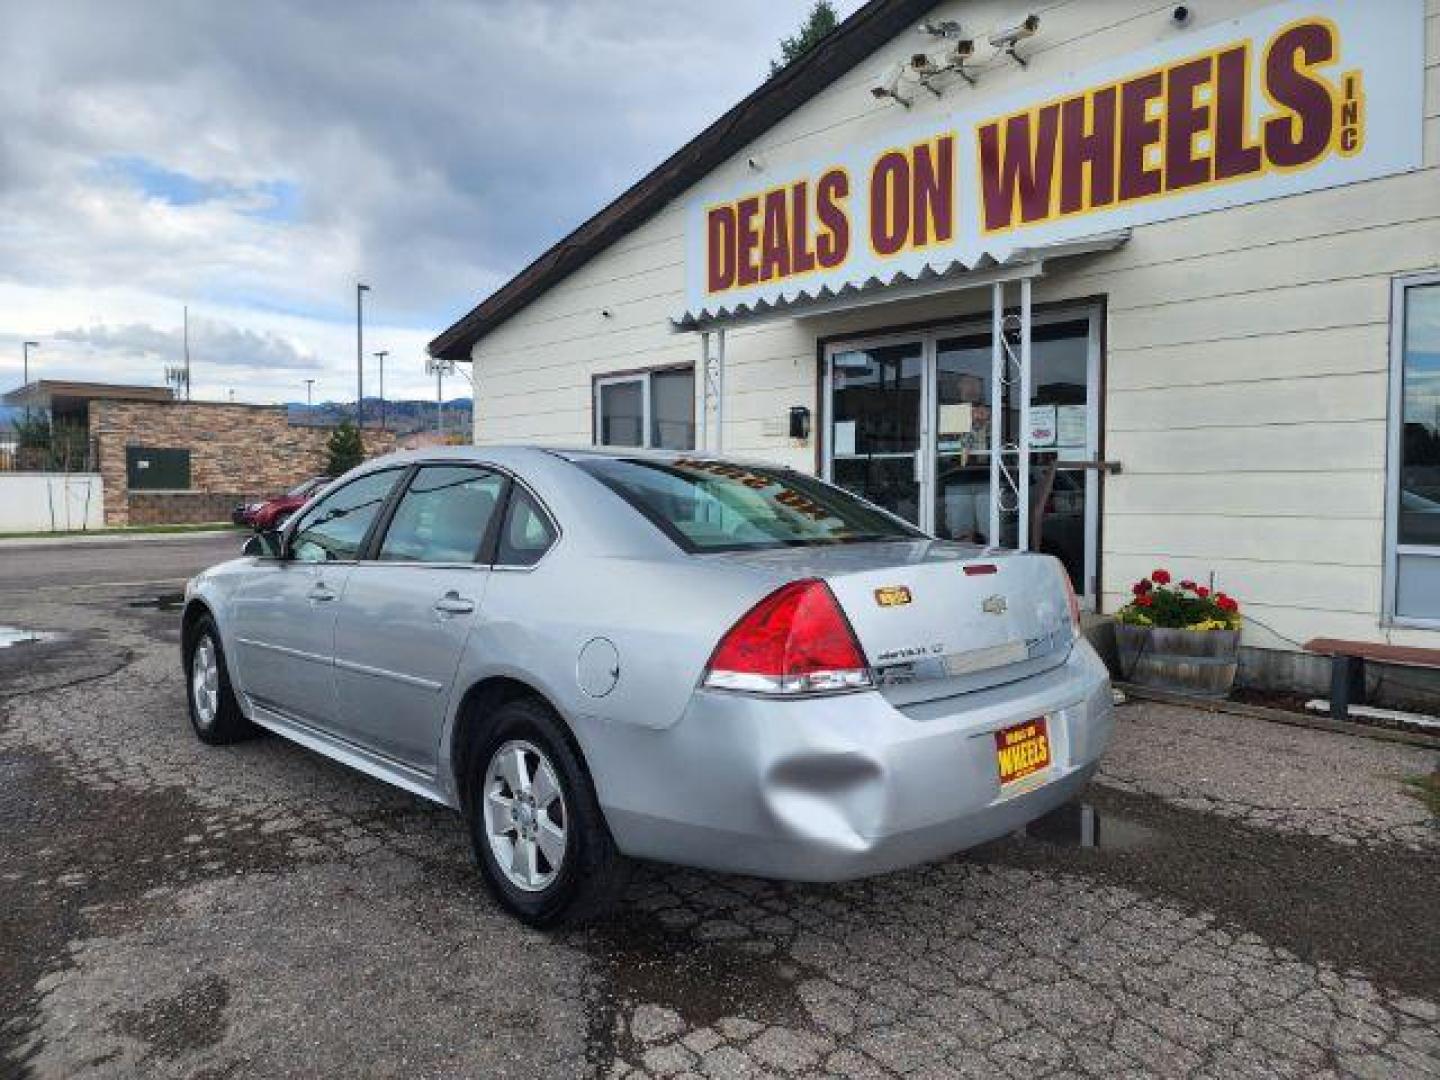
[[157, 469], [1412, 556], [653, 409]]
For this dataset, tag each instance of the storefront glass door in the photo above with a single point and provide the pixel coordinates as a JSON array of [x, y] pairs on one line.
[[909, 428], [876, 397]]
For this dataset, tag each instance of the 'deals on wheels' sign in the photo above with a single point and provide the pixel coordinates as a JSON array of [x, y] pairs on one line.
[[1291, 98]]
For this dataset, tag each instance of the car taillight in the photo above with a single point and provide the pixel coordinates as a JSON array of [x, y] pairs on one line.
[[795, 641]]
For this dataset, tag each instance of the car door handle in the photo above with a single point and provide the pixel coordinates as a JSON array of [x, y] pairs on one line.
[[454, 604], [319, 593]]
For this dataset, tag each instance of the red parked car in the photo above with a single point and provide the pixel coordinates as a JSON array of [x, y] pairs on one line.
[[270, 513]]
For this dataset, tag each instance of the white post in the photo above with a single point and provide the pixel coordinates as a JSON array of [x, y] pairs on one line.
[[1023, 525], [997, 404], [712, 390], [703, 442], [720, 393]]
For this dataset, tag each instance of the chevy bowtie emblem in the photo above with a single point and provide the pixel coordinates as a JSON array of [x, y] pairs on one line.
[[993, 605]]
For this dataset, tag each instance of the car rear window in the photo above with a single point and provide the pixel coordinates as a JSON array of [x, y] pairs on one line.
[[707, 505]]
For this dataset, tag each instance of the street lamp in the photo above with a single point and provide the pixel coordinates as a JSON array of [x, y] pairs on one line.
[[309, 408], [26, 347], [381, 357], [439, 368], [25, 378], [360, 291]]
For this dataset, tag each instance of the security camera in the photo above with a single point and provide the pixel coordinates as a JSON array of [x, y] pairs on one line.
[[945, 28], [962, 52], [926, 69], [888, 86], [755, 163], [1007, 39], [1181, 15]]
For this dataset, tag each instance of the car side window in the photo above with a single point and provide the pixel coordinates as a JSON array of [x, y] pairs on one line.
[[335, 527], [443, 515], [526, 533]]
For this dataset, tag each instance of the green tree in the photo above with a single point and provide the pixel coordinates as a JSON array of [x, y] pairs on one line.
[[818, 23], [32, 430], [345, 448]]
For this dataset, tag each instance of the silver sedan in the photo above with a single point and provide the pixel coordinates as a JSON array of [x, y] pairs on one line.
[[600, 656]]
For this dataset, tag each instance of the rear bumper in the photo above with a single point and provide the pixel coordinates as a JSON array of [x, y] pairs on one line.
[[847, 786]]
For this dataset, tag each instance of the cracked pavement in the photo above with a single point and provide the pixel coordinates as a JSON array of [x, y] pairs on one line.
[[1261, 903]]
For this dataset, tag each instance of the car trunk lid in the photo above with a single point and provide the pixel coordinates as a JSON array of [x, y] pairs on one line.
[[938, 619]]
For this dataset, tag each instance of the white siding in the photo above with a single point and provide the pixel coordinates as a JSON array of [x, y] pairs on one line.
[[1246, 349]]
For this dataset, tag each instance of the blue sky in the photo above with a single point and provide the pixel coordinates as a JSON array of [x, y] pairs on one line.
[[253, 161], [269, 200]]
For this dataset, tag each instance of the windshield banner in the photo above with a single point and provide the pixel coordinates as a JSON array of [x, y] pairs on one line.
[[1291, 98]]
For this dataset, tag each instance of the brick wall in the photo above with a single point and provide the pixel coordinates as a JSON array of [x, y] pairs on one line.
[[238, 453], [181, 507]]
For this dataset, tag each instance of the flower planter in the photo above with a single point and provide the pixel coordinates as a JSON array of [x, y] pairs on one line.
[[1197, 662]]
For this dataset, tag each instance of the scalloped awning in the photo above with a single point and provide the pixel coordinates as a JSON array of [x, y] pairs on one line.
[[938, 277]]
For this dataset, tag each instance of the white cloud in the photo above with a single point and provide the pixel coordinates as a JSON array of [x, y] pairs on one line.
[[255, 160]]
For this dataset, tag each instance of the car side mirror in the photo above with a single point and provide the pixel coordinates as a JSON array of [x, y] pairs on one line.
[[263, 545]]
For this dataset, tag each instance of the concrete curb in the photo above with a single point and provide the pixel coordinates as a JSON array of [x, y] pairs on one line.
[[1281, 716], [14, 542]]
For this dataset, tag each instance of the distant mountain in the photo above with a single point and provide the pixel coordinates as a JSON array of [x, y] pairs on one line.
[[400, 416]]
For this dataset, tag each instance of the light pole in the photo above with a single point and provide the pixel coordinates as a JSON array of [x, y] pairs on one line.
[[360, 291], [25, 378], [381, 357], [309, 408], [441, 368]]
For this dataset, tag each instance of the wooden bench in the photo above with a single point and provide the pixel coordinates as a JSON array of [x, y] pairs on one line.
[[1347, 666]]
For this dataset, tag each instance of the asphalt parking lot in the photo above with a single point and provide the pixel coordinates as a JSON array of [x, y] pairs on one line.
[[1260, 902]]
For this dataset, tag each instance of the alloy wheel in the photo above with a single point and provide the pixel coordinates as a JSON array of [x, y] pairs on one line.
[[205, 681], [525, 815]]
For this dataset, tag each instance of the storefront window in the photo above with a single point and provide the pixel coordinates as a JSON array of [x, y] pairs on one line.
[[653, 409], [909, 427], [1414, 555], [875, 433], [1420, 438], [622, 413], [672, 410]]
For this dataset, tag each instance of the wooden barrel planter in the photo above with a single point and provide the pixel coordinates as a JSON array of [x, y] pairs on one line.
[[1201, 663]]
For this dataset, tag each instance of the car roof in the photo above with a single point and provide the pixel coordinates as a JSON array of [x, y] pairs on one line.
[[517, 455]]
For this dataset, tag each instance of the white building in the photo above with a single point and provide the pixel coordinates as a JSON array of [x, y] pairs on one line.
[[1226, 228]]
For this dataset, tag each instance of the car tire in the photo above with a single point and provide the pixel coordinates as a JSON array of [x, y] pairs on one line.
[[215, 714], [525, 740]]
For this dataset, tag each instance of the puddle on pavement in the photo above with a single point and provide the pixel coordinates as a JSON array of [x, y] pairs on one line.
[[1080, 825], [15, 635], [170, 601], [81, 862], [643, 962], [1349, 906], [173, 1026]]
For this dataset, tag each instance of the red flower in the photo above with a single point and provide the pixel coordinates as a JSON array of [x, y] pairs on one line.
[[1142, 587], [1188, 584], [1160, 577], [1144, 600], [1224, 603], [1201, 591]]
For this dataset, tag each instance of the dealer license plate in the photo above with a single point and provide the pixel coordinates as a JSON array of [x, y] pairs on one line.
[[1023, 750]]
